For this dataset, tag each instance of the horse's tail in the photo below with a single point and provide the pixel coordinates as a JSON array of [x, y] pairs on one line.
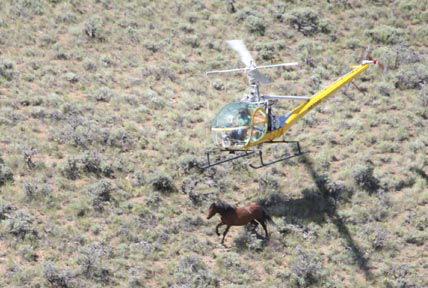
[[268, 218]]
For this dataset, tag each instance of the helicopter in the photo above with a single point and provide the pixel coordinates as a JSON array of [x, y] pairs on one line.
[[242, 127]]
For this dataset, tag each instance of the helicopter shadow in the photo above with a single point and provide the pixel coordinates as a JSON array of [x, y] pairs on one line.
[[319, 205]]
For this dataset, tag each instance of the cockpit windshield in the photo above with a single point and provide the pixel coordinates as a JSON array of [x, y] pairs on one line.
[[231, 114], [233, 125]]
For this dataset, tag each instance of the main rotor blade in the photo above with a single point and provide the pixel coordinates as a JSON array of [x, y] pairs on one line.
[[278, 65], [286, 97], [242, 50], [227, 71]]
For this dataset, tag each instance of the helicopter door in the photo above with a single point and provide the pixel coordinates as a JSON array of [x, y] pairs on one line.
[[259, 125]]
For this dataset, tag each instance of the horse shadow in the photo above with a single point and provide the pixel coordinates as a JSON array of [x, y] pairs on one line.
[[319, 205]]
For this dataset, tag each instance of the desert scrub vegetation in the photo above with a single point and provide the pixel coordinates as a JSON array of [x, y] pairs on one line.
[[387, 35], [365, 179], [7, 69], [105, 113], [6, 174], [307, 21], [192, 272], [162, 183]]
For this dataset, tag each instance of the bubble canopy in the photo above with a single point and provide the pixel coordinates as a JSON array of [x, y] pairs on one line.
[[238, 124]]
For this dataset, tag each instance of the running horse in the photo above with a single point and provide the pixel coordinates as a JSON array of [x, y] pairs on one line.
[[232, 216]]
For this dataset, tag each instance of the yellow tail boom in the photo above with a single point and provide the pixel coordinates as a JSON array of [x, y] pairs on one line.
[[305, 107]]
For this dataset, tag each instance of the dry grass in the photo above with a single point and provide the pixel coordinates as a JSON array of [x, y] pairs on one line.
[[104, 105]]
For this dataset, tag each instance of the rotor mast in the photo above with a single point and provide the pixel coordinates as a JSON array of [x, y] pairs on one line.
[[255, 78]]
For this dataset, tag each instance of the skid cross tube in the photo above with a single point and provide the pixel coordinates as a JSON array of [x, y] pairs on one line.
[[209, 164], [263, 164]]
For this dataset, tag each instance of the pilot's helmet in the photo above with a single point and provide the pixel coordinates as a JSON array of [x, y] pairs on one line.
[[243, 111]]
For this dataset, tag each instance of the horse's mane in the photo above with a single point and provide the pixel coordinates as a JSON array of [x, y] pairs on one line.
[[224, 207]]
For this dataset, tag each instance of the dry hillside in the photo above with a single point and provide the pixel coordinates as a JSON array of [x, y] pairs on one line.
[[105, 108]]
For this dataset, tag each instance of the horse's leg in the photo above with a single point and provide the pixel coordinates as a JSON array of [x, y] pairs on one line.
[[265, 227], [224, 233], [216, 228], [255, 224]]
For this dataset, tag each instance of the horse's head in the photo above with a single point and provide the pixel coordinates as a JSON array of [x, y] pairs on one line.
[[212, 211]]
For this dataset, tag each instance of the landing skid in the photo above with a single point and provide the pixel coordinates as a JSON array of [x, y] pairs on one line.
[[247, 153], [263, 164]]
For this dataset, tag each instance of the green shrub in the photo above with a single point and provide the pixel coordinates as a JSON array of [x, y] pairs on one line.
[[107, 61], [153, 200], [395, 56], [152, 46], [414, 10], [29, 8], [29, 152], [20, 225], [155, 101], [89, 162], [68, 17], [423, 96], [90, 65], [101, 192], [249, 240], [266, 51], [255, 25], [385, 88], [422, 35], [387, 35], [309, 51], [364, 178], [6, 174], [71, 169], [187, 164], [192, 272], [397, 275], [103, 94], [307, 268], [135, 282], [37, 191], [94, 28], [307, 21], [92, 265], [268, 184], [55, 277], [139, 178], [186, 28], [163, 183], [411, 76], [120, 138], [5, 210], [7, 69], [192, 41], [380, 2], [377, 235], [230, 6]]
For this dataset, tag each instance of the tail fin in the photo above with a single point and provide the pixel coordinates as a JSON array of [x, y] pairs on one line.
[[268, 218]]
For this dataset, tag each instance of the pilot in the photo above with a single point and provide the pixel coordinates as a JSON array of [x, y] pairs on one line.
[[244, 120]]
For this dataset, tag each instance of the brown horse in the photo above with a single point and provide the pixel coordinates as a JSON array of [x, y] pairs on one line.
[[232, 216]]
